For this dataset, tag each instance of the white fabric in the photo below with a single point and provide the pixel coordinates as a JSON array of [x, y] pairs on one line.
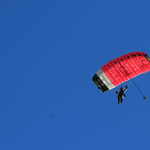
[[105, 79]]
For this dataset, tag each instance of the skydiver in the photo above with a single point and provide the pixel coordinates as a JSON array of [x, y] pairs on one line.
[[121, 94]]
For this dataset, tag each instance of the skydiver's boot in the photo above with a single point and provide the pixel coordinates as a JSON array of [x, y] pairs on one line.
[[118, 101]]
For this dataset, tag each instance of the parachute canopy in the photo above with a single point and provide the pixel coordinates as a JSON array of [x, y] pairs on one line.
[[121, 69]]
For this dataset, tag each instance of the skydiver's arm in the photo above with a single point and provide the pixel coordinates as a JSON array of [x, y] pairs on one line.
[[117, 92], [125, 89]]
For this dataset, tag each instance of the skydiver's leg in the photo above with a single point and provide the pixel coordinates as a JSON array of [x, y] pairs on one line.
[[121, 100], [118, 99]]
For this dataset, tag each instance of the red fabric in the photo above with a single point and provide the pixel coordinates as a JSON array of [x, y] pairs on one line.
[[126, 67]]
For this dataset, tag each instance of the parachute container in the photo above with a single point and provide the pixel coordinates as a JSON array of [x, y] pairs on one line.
[[121, 69]]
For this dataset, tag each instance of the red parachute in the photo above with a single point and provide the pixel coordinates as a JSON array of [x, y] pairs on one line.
[[121, 69]]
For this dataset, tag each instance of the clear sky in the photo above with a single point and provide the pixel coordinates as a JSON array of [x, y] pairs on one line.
[[49, 52]]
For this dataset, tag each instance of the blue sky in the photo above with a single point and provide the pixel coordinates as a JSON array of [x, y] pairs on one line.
[[49, 52]]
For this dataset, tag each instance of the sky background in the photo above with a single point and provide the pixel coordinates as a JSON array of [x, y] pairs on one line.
[[49, 52]]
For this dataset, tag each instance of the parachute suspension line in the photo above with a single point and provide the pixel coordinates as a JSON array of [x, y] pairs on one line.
[[139, 89]]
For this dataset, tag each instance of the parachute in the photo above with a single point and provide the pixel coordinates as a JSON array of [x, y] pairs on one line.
[[121, 69]]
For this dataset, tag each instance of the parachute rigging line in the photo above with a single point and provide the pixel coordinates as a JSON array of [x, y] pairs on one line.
[[139, 89]]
